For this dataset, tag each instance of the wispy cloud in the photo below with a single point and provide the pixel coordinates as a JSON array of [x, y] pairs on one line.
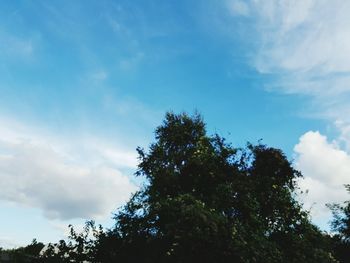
[[304, 36], [131, 62], [238, 7], [100, 75], [15, 47], [305, 45]]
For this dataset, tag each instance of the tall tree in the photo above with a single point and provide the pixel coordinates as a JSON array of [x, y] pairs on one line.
[[205, 201]]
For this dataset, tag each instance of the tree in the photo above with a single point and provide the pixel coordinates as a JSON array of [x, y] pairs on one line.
[[205, 201], [81, 247], [28, 254], [341, 226]]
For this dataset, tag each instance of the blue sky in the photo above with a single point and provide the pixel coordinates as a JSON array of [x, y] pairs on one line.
[[83, 83]]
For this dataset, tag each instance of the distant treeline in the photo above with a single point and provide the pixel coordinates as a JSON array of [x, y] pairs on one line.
[[205, 201]]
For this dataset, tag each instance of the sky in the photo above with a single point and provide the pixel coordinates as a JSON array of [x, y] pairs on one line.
[[83, 83]]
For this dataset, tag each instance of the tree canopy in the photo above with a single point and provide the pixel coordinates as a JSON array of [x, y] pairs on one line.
[[206, 201]]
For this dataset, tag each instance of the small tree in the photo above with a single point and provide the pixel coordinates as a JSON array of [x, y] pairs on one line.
[[81, 247]]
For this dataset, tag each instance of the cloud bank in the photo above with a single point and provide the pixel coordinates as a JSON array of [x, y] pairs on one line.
[[41, 171]]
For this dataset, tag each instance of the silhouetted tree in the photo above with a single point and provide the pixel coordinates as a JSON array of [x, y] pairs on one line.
[[27, 254], [81, 247], [206, 201]]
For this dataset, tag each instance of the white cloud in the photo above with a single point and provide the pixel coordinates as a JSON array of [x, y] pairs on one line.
[[64, 178], [326, 169]]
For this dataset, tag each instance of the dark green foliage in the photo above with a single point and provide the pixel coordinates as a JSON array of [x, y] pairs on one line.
[[81, 247], [28, 254], [206, 201], [341, 226], [341, 221]]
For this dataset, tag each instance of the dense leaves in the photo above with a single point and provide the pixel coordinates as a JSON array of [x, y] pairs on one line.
[[341, 226], [206, 201], [29, 253]]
